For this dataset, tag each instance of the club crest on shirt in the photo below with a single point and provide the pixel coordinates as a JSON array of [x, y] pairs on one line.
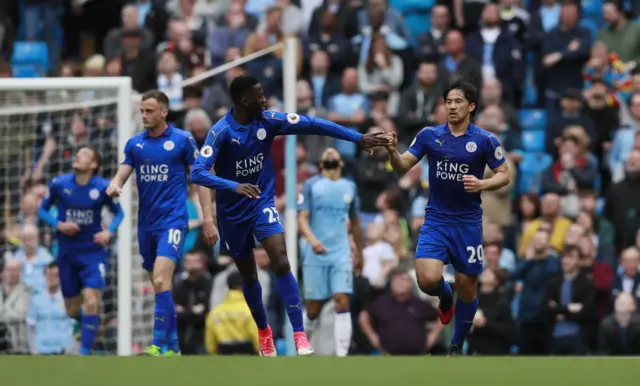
[[262, 134], [498, 153], [94, 194], [293, 118], [207, 151], [169, 145], [471, 147], [347, 198]]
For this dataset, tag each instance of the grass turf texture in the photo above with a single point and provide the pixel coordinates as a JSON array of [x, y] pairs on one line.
[[316, 371]]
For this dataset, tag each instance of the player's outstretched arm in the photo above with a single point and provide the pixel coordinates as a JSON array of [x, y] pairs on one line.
[[401, 163], [122, 176], [294, 124]]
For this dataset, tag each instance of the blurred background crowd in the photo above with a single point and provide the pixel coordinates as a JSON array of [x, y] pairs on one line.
[[558, 85]]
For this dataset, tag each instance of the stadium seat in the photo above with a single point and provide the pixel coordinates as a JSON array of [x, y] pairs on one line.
[[532, 119], [417, 24], [591, 25], [533, 141], [407, 7], [532, 167], [27, 71], [30, 57], [591, 8]]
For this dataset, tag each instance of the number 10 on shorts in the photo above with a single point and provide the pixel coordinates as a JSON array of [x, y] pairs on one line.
[[476, 254], [175, 235]]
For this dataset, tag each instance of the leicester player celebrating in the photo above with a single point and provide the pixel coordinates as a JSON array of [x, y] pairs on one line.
[[239, 145], [162, 157], [458, 152], [326, 203], [82, 257]]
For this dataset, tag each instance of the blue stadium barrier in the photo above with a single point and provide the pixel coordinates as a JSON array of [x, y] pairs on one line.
[[532, 166], [533, 141], [532, 119], [30, 57]]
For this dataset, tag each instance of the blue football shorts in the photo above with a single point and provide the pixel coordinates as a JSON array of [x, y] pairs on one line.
[[322, 280], [167, 243], [459, 245], [82, 270], [239, 238]]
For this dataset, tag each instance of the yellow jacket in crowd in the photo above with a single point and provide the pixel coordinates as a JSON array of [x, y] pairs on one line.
[[230, 328], [556, 240]]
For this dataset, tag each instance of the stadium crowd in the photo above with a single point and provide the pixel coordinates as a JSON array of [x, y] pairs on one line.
[[558, 85]]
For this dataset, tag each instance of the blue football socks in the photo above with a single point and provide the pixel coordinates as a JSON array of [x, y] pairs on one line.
[[162, 317], [290, 294], [464, 314], [253, 297], [90, 325]]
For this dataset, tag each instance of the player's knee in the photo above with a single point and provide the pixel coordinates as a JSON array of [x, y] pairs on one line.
[[280, 265], [90, 304], [466, 287], [428, 282], [342, 303], [160, 283], [73, 309]]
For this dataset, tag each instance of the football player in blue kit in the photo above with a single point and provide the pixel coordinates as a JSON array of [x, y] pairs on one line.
[[162, 156], [238, 148], [82, 258], [458, 153], [326, 205]]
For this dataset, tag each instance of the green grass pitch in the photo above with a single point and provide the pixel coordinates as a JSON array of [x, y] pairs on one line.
[[316, 371]]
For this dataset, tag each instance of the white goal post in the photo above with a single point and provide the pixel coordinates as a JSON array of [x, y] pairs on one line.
[[117, 91]]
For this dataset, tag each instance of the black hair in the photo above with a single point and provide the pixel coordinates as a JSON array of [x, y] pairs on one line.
[[51, 265], [158, 95], [240, 85], [234, 280], [468, 89]]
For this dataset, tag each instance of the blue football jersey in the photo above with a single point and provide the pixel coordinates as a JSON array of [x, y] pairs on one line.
[[450, 158], [241, 154], [80, 204], [330, 203], [162, 175]]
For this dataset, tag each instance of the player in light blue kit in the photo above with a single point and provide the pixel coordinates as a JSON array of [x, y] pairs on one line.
[[326, 204], [238, 148], [458, 153], [162, 157], [82, 239]]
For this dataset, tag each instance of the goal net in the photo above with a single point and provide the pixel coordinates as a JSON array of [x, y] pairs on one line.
[[43, 122]]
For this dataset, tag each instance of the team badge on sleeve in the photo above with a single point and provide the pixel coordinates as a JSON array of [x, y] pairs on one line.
[[207, 151], [498, 153], [293, 118]]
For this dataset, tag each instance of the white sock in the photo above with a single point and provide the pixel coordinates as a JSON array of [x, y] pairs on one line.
[[342, 329]]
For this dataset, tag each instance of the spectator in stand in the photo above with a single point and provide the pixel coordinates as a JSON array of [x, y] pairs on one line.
[[379, 257], [251, 21], [346, 14], [624, 140], [620, 332], [498, 51], [622, 207], [136, 63], [216, 100], [565, 50], [191, 294], [325, 84], [274, 35], [608, 68], [603, 109], [152, 17], [292, 18], [455, 64], [34, 258], [491, 94], [233, 33], [205, 8], [382, 72], [400, 323], [492, 119], [535, 272], [431, 43], [267, 68], [516, 20], [573, 172], [15, 297], [550, 216], [170, 80], [419, 101], [112, 45], [198, 123], [571, 114], [50, 329], [467, 14], [380, 19], [230, 328], [493, 330], [620, 34], [492, 234], [195, 22], [599, 226], [349, 109], [628, 279], [328, 39], [570, 299], [544, 20], [7, 36], [315, 144], [496, 204]]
